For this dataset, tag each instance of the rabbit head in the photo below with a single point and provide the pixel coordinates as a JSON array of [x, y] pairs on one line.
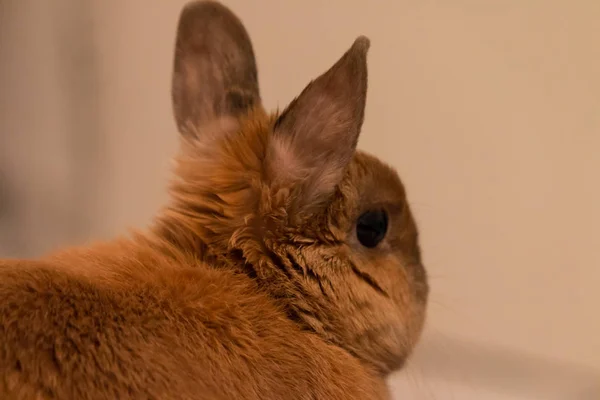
[[286, 198]]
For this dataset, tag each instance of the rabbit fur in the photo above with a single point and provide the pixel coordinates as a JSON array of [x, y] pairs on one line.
[[251, 282]]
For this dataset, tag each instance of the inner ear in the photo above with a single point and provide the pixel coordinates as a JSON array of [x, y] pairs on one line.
[[214, 72]]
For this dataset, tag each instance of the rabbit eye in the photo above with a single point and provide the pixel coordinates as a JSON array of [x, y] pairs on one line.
[[371, 228]]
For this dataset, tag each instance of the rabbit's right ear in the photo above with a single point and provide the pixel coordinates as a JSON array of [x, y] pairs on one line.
[[214, 73], [314, 139]]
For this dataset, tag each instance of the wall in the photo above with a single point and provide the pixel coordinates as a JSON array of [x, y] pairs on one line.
[[489, 109]]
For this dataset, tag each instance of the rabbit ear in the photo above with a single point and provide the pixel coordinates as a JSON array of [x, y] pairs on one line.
[[314, 139], [214, 72]]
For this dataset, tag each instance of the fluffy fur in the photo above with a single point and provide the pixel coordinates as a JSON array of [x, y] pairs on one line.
[[251, 283]]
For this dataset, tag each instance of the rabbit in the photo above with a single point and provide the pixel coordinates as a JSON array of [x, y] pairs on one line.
[[286, 264]]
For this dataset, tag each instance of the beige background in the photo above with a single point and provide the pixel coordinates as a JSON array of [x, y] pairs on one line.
[[490, 110]]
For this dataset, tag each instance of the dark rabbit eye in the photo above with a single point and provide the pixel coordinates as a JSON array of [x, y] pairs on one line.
[[371, 228]]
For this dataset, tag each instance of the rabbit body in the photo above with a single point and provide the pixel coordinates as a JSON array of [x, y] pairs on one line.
[[125, 320], [285, 266]]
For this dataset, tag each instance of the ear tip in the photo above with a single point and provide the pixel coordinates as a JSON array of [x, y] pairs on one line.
[[362, 43], [204, 8]]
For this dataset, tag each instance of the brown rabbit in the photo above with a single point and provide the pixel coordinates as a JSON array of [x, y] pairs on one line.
[[286, 266]]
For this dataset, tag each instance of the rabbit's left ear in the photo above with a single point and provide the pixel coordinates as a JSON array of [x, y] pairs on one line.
[[315, 137], [214, 72]]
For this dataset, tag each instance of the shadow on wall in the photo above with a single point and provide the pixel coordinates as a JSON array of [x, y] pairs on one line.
[[50, 141], [515, 374]]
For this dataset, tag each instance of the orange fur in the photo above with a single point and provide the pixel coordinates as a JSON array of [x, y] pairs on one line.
[[251, 282]]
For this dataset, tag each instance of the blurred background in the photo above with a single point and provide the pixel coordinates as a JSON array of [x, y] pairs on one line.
[[489, 109]]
